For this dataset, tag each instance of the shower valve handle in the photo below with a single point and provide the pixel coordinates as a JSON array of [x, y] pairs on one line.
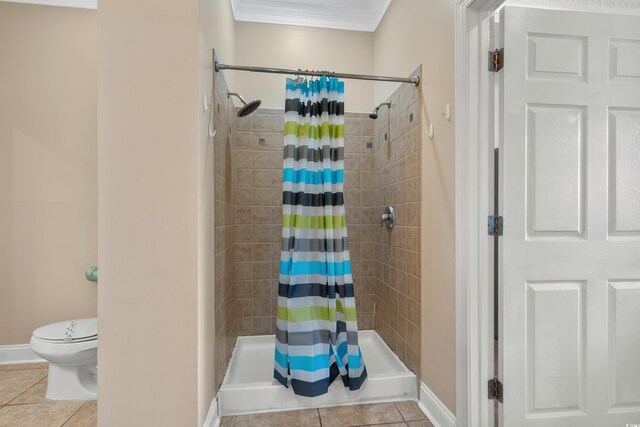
[[388, 218]]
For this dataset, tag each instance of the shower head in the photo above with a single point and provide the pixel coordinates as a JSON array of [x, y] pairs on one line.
[[247, 107], [374, 113]]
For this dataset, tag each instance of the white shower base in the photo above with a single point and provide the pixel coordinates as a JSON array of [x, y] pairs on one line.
[[249, 386]]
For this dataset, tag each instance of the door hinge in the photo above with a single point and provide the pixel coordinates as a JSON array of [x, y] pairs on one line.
[[496, 60], [495, 225], [495, 389]]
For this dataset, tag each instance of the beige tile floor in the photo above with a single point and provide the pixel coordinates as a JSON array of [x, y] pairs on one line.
[[22, 401], [398, 414], [22, 404]]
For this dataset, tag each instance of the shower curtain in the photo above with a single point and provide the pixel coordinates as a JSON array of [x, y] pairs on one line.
[[316, 327]]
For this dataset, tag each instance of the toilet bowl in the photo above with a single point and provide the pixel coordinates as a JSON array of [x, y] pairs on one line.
[[71, 348]]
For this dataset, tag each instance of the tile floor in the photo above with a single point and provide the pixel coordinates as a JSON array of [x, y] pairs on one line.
[[398, 414], [22, 401], [22, 404]]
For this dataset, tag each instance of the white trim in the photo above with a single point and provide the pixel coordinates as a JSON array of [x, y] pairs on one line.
[[16, 354], [462, 345], [335, 15], [471, 168], [467, 343], [377, 13], [78, 4], [434, 409], [213, 417], [625, 7]]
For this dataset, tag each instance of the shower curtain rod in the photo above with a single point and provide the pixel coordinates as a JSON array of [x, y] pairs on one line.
[[415, 80]]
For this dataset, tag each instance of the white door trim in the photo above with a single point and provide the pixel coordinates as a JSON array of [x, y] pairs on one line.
[[622, 7], [471, 170]]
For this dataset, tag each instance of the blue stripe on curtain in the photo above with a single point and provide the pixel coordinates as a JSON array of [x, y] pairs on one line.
[[313, 177], [324, 268]]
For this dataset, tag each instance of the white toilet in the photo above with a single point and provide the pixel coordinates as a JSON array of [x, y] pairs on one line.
[[71, 348]]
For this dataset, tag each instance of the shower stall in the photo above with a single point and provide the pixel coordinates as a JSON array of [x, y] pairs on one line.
[[382, 152]]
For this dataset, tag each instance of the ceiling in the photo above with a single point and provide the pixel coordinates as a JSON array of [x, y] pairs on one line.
[[358, 15]]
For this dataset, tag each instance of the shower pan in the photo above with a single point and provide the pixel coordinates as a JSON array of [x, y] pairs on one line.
[[249, 387]]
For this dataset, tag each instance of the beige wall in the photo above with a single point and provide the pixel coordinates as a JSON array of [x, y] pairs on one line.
[[218, 31], [148, 207], [295, 47], [415, 32], [48, 173]]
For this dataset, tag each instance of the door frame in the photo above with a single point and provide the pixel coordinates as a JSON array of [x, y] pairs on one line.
[[474, 310], [473, 313]]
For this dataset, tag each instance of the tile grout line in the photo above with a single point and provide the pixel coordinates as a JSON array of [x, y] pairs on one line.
[[401, 414], [25, 404], [71, 416], [403, 421], [24, 391], [383, 424], [410, 421]]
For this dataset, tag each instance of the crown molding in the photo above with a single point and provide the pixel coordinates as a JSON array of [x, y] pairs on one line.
[[626, 7], [78, 4], [363, 15]]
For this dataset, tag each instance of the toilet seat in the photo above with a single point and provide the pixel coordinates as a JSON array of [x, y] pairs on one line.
[[71, 331]]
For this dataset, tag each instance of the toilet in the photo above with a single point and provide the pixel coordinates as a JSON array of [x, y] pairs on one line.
[[71, 348]]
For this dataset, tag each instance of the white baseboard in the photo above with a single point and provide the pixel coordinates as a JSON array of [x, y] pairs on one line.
[[20, 353], [213, 417], [434, 409]]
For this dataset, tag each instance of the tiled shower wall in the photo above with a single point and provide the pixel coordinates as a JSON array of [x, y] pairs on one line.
[[361, 218], [257, 197], [398, 184], [257, 167], [224, 250]]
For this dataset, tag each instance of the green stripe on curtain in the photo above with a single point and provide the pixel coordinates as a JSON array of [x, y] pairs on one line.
[[314, 131], [316, 313], [314, 222]]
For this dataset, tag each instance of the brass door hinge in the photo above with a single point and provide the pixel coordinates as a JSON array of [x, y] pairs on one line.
[[496, 60]]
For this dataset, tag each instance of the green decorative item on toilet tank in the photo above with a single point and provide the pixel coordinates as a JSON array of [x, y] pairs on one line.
[[92, 274]]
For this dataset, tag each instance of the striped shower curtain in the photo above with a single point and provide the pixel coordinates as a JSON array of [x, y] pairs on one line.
[[316, 328]]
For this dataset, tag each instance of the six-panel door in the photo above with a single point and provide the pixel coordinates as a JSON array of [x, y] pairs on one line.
[[570, 197]]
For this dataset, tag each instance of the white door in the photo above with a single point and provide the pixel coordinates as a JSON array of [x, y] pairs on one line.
[[569, 272]]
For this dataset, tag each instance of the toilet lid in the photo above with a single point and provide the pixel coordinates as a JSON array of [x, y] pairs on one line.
[[69, 331]]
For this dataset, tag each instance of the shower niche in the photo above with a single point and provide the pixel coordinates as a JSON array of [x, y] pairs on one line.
[[381, 169]]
